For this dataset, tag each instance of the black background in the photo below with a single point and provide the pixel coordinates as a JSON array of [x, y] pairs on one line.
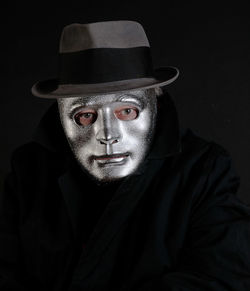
[[209, 43]]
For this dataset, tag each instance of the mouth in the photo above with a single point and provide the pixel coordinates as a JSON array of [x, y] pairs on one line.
[[111, 159]]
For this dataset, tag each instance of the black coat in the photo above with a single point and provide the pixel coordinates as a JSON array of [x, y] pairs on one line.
[[174, 225]]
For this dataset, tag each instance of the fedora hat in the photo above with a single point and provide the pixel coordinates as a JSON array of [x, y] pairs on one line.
[[103, 57]]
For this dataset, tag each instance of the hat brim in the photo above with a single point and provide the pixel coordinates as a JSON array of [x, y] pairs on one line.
[[51, 89]]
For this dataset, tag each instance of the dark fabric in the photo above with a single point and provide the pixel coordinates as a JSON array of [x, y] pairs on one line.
[[105, 65], [175, 225], [88, 209]]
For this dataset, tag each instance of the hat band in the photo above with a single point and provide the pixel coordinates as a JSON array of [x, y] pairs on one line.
[[105, 65]]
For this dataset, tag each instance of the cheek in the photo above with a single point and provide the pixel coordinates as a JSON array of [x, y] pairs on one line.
[[75, 134], [141, 127]]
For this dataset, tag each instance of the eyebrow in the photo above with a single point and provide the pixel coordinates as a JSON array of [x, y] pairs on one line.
[[77, 102], [123, 97], [131, 98]]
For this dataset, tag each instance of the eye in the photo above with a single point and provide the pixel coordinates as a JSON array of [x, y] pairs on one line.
[[126, 113], [85, 117]]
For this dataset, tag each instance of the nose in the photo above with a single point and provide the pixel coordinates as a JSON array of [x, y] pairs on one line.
[[108, 141], [108, 131]]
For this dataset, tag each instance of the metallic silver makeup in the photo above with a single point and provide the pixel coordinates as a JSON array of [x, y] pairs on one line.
[[110, 134]]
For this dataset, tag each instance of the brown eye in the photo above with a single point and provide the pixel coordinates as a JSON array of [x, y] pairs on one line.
[[126, 113], [85, 117]]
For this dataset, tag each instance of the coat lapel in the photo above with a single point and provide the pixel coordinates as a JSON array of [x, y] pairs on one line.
[[115, 215], [73, 198]]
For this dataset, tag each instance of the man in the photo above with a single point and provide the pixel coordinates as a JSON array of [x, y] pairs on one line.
[[111, 194]]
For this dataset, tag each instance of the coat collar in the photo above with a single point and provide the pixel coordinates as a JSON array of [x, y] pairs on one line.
[[114, 217], [167, 139]]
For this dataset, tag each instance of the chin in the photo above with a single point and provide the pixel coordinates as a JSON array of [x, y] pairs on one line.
[[110, 178], [106, 180]]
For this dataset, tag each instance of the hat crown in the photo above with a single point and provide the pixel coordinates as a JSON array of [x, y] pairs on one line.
[[104, 57], [108, 34]]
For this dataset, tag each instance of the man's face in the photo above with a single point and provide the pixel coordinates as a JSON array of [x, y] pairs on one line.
[[109, 134]]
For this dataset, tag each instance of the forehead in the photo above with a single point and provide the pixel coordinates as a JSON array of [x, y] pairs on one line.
[[137, 96]]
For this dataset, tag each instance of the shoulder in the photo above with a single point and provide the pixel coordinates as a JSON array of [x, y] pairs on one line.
[[191, 141], [201, 149], [202, 161], [32, 159], [29, 153]]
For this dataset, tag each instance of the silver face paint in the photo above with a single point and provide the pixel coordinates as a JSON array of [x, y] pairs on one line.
[[110, 134]]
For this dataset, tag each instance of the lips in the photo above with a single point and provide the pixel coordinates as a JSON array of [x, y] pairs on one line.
[[111, 159]]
